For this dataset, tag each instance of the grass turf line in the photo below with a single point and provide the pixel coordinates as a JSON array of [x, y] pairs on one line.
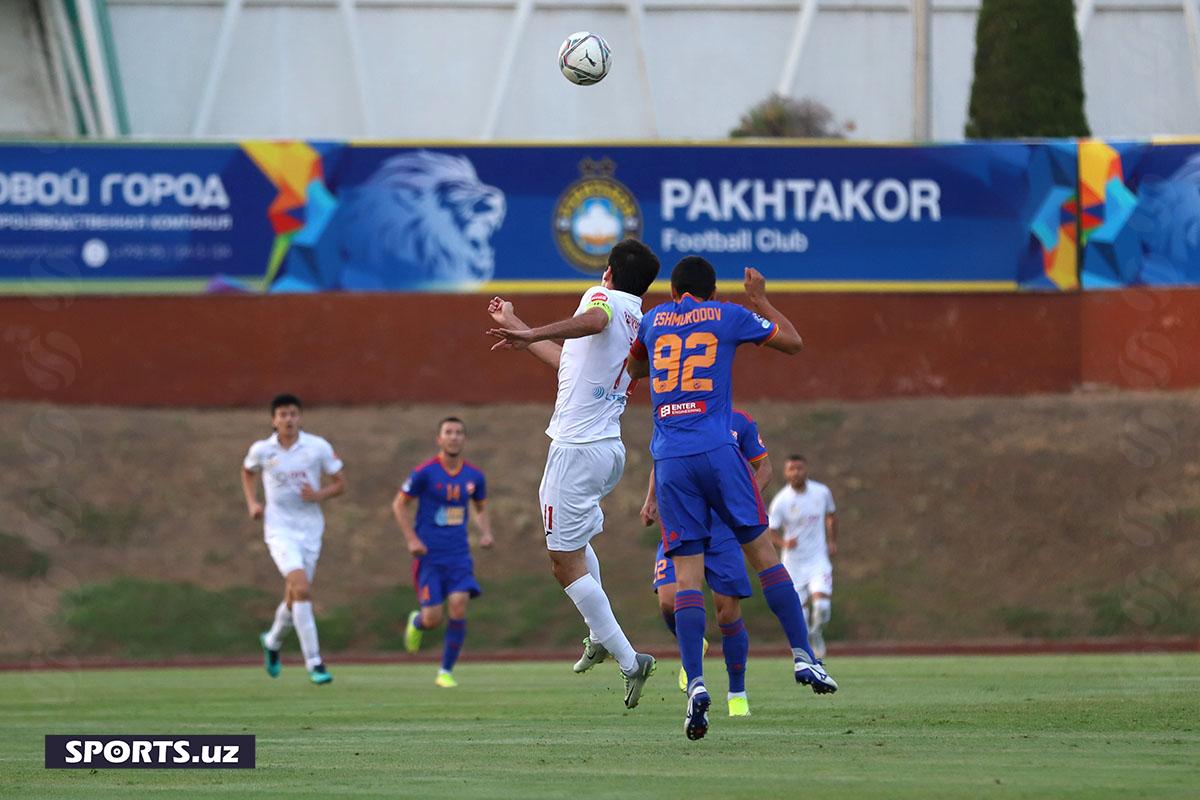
[[1044, 726]]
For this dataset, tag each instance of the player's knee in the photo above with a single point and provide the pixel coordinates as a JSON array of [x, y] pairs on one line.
[[729, 610], [297, 587], [568, 567], [761, 554], [457, 608]]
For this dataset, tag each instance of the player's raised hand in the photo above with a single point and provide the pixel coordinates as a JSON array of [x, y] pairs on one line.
[[756, 284], [511, 339], [501, 311], [255, 510]]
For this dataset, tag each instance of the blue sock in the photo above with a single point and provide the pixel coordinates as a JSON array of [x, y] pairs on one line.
[[784, 603], [690, 622], [736, 644], [456, 633], [669, 618]]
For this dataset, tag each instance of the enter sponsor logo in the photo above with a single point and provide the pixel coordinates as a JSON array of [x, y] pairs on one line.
[[682, 409]]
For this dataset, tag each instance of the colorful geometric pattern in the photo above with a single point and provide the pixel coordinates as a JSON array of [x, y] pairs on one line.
[[303, 206], [1111, 253], [1053, 175]]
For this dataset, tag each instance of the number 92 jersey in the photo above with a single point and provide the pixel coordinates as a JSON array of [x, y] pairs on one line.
[[690, 345]]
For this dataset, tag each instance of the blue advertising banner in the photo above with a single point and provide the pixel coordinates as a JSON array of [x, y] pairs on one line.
[[130, 218], [313, 216], [1141, 213]]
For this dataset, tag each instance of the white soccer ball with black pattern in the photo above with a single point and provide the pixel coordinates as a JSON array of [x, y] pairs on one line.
[[584, 58]]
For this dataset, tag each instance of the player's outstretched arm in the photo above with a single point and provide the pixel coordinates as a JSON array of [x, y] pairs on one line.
[[484, 521], [787, 340], [589, 323], [250, 491], [403, 510], [503, 314]]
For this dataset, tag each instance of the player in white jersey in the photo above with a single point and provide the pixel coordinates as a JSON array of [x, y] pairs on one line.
[[587, 456], [292, 463], [803, 524]]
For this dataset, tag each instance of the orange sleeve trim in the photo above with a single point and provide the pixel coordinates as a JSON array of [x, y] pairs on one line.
[[773, 334], [757, 459]]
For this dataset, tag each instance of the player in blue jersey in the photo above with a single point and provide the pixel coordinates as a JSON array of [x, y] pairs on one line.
[[443, 488], [724, 569], [687, 348]]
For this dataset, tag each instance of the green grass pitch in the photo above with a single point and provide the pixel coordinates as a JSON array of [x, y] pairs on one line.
[[1003, 727]]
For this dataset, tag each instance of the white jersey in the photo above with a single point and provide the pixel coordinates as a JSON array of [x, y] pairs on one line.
[[593, 384], [285, 471], [800, 518]]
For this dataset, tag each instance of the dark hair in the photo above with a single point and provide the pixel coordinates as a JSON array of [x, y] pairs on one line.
[[281, 400], [634, 267], [695, 276], [444, 420], [796, 457]]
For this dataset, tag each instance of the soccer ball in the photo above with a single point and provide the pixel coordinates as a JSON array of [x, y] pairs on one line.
[[584, 58]]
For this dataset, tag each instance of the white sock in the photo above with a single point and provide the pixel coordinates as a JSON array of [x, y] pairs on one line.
[[306, 629], [822, 611], [732, 695], [597, 612], [280, 627], [593, 568]]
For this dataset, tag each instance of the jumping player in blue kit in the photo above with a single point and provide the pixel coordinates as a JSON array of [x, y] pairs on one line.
[[445, 488], [687, 348], [724, 570]]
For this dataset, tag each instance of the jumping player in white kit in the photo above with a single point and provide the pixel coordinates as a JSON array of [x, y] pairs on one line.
[[803, 524], [586, 455], [292, 463]]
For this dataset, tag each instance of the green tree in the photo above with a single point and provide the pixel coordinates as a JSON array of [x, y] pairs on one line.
[[1028, 76], [780, 116]]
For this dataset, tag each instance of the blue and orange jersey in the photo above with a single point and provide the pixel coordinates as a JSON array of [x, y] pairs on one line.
[[749, 440], [442, 506], [690, 345]]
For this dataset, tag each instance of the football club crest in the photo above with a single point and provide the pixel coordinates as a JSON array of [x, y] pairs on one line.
[[593, 214]]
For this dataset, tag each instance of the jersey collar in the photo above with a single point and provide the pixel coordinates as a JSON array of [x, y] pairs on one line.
[[300, 436], [446, 470]]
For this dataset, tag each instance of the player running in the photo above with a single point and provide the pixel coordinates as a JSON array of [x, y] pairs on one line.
[[292, 462], [443, 573], [688, 346], [586, 455], [724, 570], [803, 524]]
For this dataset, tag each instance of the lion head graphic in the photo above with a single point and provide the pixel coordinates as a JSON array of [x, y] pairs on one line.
[[422, 220]]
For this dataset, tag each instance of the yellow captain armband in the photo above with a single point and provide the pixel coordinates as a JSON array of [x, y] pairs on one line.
[[602, 304]]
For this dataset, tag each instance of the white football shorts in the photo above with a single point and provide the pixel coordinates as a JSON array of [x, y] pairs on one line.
[[577, 478], [814, 577], [291, 554]]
